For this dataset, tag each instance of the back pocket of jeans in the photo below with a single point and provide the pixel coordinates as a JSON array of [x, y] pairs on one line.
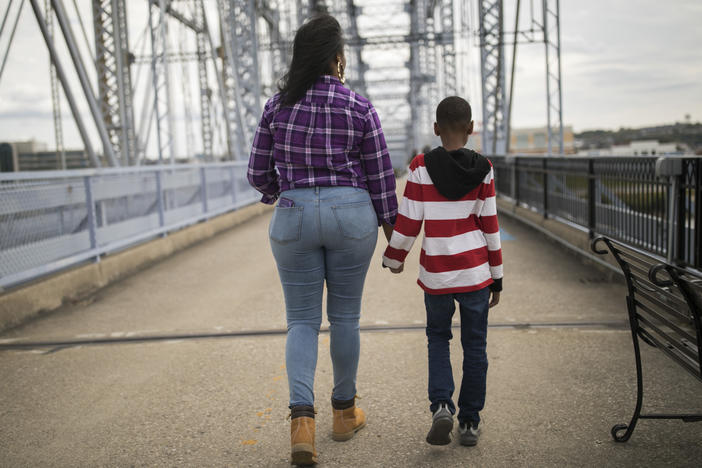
[[286, 224], [356, 220]]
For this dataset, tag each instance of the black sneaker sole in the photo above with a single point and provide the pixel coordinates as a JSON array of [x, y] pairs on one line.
[[440, 432]]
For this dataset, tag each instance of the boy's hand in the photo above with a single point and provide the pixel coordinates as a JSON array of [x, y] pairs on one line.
[[494, 298], [398, 269], [395, 270]]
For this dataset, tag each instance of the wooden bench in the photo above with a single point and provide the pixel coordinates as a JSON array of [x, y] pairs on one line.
[[664, 303]]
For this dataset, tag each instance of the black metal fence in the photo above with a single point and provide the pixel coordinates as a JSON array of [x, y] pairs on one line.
[[624, 198]]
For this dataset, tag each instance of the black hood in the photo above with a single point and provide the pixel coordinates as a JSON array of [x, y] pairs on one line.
[[455, 173]]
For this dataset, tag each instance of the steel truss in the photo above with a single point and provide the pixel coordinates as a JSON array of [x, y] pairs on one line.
[[238, 19], [492, 71], [404, 55], [55, 97], [113, 76], [160, 74], [203, 79], [554, 99], [496, 104]]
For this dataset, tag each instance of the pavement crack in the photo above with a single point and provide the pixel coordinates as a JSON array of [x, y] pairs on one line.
[[60, 344]]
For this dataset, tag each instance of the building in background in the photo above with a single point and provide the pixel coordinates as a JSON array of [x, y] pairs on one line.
[[34, 155], [638, 148], [529, 141]]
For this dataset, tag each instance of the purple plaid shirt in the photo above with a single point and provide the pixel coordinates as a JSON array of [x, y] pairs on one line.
[[331, 137]]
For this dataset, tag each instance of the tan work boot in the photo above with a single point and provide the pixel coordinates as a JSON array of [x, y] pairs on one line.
[[302, 452], [347, 421]]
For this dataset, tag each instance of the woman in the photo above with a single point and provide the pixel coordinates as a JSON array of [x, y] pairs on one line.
[[334, 185]]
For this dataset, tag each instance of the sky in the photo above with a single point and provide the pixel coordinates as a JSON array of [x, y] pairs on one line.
[[628, 63]]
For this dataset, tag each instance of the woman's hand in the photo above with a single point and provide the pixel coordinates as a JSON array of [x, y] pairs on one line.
[[494, 298], [387, 229]]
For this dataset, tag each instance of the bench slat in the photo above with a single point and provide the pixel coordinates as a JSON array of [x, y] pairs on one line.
[[667, 307], [678, 345], [694, 368], [684, 334], [634, 258]]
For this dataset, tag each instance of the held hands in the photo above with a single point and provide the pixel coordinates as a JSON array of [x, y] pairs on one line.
[[395, 270], [387, 230]]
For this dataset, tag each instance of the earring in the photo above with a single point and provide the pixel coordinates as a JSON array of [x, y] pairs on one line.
[[341, 72]]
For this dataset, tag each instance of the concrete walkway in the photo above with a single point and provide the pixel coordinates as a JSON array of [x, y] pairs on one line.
[[216, 396]]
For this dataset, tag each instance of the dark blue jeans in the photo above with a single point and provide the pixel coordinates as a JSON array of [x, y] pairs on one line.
[[474, 314]]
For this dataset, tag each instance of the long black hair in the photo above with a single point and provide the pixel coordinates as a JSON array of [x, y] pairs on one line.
[[317, 42]]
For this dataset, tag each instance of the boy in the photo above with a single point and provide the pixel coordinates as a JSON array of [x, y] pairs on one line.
[[452, 190]]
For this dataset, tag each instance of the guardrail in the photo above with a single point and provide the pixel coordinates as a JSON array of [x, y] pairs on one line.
[[55, 219], [644, 201]]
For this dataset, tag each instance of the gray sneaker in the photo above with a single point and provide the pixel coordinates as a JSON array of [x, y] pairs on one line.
[[441, 425], [468, 434]]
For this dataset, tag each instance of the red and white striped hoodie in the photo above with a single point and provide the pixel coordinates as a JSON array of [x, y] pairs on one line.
[[453, 193]]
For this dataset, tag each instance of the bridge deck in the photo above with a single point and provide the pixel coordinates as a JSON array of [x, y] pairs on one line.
[[200, 390]]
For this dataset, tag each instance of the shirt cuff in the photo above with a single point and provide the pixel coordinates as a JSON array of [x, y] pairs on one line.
[[390, 263], [269, 199], [496, 286], [388, 220]]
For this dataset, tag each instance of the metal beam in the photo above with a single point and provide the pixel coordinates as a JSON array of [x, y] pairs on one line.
[[554, 100], [492, 72], [238, 25], [55, 98], [113, 76], [448, 48], [64, 83], [190, 23], [203, 80], [221, 88], [158, 28], [62, 18]]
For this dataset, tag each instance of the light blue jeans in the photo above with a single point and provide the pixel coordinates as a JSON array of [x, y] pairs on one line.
[[323, 234]]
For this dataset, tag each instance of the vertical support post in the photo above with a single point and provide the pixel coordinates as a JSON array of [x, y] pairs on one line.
[[203, 189], [160, 74], [232, 186], [681, 223], [492, 72], [549, 136], [90, 206], [55, 96], [510, 96], [220, 83], [560, 92], [64, 83], [448, 47], [697, 226], [159, 198], [359, 83], [591, 198], [516, 181], [672, 212], [233, 90], [203, 80], [415, 80], [84, 81], [554, 101], [113, 76], [544, 167], [513, 177]]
